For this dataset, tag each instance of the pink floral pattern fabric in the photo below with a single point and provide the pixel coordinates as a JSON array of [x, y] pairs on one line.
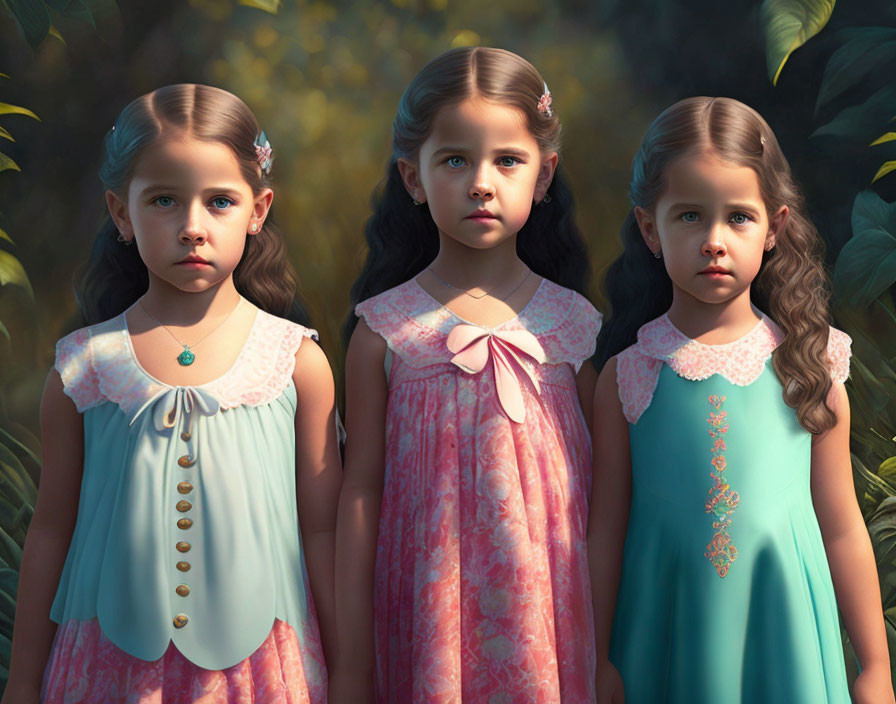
[[740, 362], [86, 668], [722, 498], [98, 364], [482, 585]]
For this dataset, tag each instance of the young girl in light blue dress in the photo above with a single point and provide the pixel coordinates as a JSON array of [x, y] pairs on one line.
[[188, 432], [724, 527]]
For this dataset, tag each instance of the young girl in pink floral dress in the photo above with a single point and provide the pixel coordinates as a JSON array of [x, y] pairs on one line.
[[461, 571], [188, 432]]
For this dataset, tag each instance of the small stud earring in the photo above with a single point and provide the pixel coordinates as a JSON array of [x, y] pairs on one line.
[[416, 202], [254, 227], [658, 255]]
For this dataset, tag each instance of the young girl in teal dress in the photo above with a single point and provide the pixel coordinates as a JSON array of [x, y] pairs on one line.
[[723, 517], [186, 431]]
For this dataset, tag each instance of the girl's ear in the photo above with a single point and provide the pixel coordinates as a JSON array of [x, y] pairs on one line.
[[118, 211], [647, 225], [545, 176], [776, 224], [410, 174], [260, 209]]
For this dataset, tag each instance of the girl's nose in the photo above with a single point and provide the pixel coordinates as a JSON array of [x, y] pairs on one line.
[[481, 189], [193, 232], [714, 246]]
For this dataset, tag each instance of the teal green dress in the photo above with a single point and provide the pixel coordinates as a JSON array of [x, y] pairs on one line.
[[725, 595]]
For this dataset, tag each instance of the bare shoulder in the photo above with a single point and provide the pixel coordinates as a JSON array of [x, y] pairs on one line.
[[366, 344], [57, 410], [312, 374], [606, 390]]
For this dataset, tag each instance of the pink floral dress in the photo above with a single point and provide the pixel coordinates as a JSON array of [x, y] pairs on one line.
[[482, 589]]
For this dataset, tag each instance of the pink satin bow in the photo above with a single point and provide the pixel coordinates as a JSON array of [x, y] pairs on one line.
[[472, 347]]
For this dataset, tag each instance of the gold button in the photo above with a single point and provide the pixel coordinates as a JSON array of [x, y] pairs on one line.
[[183, 506], [180, 620], [184, 523], [185, 487], [183, 566], [182, 590], [185, 436], [186, 461], [183, 547]]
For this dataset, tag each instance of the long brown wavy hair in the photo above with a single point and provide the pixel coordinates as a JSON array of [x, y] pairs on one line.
[[792, 286], [115, 276]]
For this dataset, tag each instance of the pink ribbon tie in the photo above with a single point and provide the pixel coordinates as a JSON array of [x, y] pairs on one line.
[[473, 346]]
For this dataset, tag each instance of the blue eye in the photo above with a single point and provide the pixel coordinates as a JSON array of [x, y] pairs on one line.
[[690, 216], [740, 218], [164, 201], [508, 161], [222, 203], [454, 161]]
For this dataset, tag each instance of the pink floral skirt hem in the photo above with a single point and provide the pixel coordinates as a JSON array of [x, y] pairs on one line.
[[86, 668]]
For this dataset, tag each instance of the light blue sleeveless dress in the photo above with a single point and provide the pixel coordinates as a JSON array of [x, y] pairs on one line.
[[725, 595], [187, 530]]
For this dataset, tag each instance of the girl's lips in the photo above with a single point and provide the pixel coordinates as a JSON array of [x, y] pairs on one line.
[[481, 215], [192, 260]]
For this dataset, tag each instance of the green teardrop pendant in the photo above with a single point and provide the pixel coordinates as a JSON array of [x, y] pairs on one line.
[[185, 358]]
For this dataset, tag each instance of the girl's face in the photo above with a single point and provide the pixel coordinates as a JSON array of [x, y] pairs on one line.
[[479, 170], [189, 209], [711, 226]]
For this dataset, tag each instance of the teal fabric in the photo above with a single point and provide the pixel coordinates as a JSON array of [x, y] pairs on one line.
[[768, 630], [246, 565]]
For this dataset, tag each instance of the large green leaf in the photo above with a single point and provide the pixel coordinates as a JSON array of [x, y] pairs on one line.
[[11, 272], [788, 25], [6, 163], [32, 17], [866, 266], [865, 120], [76, 9], [887, 167], [869, 49]]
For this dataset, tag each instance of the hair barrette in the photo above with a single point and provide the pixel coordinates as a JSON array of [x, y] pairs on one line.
[[264, 153], [544, 103]]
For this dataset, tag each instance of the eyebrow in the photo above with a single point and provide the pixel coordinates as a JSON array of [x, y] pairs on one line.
[[154, 188], [510, 151], [731, 206]]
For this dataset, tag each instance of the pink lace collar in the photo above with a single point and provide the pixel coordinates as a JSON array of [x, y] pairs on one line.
[[740, 362]]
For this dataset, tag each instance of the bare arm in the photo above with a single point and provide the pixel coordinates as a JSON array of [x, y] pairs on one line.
[[586, 380], [359, 504], [318, 476], [48, 539], [608, 520], [849, 553]]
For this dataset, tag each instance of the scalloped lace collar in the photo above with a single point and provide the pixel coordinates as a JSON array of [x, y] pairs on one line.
[[740, 362]]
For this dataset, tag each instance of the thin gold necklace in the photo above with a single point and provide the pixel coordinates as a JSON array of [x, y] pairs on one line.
[[486, 293], [187, 357]]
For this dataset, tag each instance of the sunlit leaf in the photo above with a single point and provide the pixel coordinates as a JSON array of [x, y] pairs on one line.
[[888, 137], [866, 266], [33, 19], [6, 135], [788, 25], [11, 272], [267, 5], [466, 37], [56, 35], [7, 163], [865, 120], [868, 49], [7, 109], [4, 236], [884, 170]]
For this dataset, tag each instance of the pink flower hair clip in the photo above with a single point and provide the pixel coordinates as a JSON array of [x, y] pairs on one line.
[[264, 153], [544, 103]]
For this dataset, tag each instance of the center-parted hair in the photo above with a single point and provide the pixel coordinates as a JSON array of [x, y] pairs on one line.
[[791, 287], [402, 238], [115, 277]]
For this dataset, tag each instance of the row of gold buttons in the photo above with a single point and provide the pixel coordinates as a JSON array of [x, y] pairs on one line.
[[182, 546]]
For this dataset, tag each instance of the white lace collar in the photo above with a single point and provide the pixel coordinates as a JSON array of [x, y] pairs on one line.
[[740, 362]]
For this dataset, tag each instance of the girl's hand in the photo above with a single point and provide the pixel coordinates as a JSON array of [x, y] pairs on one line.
[[609, 684], [874, 686]]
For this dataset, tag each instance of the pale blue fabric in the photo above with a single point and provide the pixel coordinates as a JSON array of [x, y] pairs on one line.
[[766, 632], [246, 559]]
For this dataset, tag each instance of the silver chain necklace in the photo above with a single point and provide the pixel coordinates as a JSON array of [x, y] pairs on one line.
[[486, 293], [187, 357]]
